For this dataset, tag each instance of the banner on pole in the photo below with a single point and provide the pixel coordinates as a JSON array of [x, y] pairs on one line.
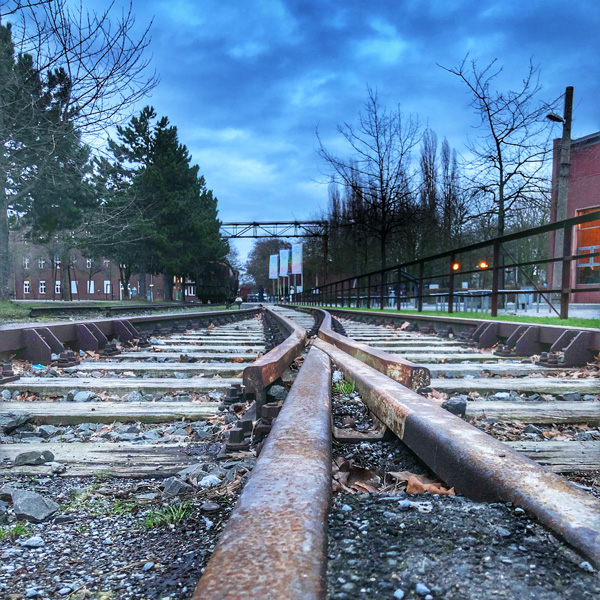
[[284, 263], [273, 266], [297, 259]]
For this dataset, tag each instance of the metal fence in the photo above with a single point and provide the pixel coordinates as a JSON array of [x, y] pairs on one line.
[[490, 275]]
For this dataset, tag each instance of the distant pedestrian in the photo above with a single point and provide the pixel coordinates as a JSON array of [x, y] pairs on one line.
[[239, 301]]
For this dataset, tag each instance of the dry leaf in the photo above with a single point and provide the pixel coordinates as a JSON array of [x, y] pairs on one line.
[[415, 486]]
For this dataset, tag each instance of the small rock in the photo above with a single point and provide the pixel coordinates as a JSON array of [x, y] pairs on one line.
[[209, 507], [422, 589], [64, 591], [12, 420], [572, 397], [133, 397], [33, 458], [457, 405], [174, 486], [31, 593], [209, 481], [6, 491], [399, 594], [533, 429], [586, 566], [84, 396], [47, 431], [277, 393], [33, 542], [584, 436], [6, 394], [148, 566], [32, 506], [503, 532]]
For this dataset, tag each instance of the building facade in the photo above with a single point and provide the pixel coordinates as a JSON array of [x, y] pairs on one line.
[[583, 197], [37, 273]]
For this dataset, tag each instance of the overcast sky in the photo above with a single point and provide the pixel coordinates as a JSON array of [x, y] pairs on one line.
[[247, 82]]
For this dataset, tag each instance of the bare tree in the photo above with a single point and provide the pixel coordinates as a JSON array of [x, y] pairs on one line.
[[66, 74], [508, 159], [379, 168], [104, 60]]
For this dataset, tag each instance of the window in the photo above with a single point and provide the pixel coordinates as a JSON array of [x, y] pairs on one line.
[[107, 286], [73, 262], [26, 287], [88, 263], [57, 263], [25, 262], [41, 262], [74, 287], [57, 287], [106, 263], [42, 287], [90, 287], [588, 242]]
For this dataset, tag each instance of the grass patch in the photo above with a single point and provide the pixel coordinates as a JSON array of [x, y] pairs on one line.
[[13, 310], [571, 322], [19, 529], [344, 387], [172, 515]]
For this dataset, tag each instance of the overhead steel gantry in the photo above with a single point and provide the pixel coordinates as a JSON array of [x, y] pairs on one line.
[[281, 229], [273, 229]]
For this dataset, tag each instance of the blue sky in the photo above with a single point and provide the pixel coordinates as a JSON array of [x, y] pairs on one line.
[[247, 82]]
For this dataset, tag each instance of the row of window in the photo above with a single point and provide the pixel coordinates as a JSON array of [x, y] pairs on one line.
[[74, 287], [42, 262]]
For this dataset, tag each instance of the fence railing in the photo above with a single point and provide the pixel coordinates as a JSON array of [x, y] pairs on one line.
[[490, 276]]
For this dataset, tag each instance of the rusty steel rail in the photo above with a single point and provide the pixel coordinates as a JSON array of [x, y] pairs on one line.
[[411, 375], [476, 464], [279, 526], [39, 340], [270, 367], [548, 334]]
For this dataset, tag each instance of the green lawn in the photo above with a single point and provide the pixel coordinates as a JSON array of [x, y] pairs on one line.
[[10, 310], [572, 322], [18, 312]]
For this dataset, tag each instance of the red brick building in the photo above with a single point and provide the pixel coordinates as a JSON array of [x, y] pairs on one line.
[[583, 196], [38, 274]]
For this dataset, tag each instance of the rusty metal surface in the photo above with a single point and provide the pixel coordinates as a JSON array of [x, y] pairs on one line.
[[270, 367], [12, 337], [407, 373], [548, 333], [476, 464], [278, 531]]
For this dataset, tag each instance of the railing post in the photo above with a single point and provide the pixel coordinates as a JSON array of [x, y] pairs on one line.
[[382, 292], [451, 285], [420, 292], [349, 293], [358, 292], [567, 261], [369, 290], [398, 288], [495, 278]]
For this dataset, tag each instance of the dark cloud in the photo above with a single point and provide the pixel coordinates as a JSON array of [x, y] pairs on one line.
[[248, 82]]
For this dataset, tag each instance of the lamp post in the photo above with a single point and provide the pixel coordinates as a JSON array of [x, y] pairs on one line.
[[562, 190]]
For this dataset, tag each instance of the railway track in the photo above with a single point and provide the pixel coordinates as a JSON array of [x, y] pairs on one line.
[[500, 537]]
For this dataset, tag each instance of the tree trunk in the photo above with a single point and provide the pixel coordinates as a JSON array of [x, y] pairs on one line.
[[65, 279], [168, 286], [142, 284], [5, 261]]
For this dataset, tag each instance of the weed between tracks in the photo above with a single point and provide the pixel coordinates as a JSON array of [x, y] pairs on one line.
[[19, 529], [171, 515]]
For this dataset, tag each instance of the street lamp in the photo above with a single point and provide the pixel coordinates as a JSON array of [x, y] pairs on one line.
[[562, 190]]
